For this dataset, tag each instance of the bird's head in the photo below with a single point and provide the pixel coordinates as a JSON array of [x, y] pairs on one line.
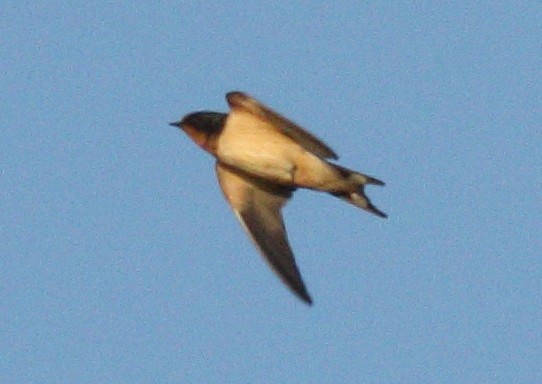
[[203, 127]]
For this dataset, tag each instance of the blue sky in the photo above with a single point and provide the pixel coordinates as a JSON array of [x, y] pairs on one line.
[[121, 262]]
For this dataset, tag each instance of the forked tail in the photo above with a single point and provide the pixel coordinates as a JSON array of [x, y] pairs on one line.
[[358, 197]]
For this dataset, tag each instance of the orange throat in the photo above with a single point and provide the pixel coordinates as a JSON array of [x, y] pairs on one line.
[[203, 139]]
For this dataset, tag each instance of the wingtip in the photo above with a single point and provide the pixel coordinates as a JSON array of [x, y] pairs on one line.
[[235, 93], [304, 296], [298, 288], [236, 97]]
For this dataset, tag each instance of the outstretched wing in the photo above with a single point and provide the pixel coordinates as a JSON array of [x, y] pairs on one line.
[[257, 205], [241, 101]]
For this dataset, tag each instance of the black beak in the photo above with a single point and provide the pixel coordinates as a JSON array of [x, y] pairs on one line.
[[176, 124]]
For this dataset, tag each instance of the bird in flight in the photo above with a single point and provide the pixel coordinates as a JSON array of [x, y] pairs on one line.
[[261, 159]]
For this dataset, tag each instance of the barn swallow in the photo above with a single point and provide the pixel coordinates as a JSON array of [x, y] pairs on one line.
[[261, 159]]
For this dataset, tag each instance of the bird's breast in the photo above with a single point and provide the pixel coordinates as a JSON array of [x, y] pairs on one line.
[[258, 149]]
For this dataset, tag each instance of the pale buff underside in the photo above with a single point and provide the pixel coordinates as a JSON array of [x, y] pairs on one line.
[[257, 148]]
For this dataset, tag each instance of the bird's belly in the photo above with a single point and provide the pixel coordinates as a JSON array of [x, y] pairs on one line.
[[270, 158]]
